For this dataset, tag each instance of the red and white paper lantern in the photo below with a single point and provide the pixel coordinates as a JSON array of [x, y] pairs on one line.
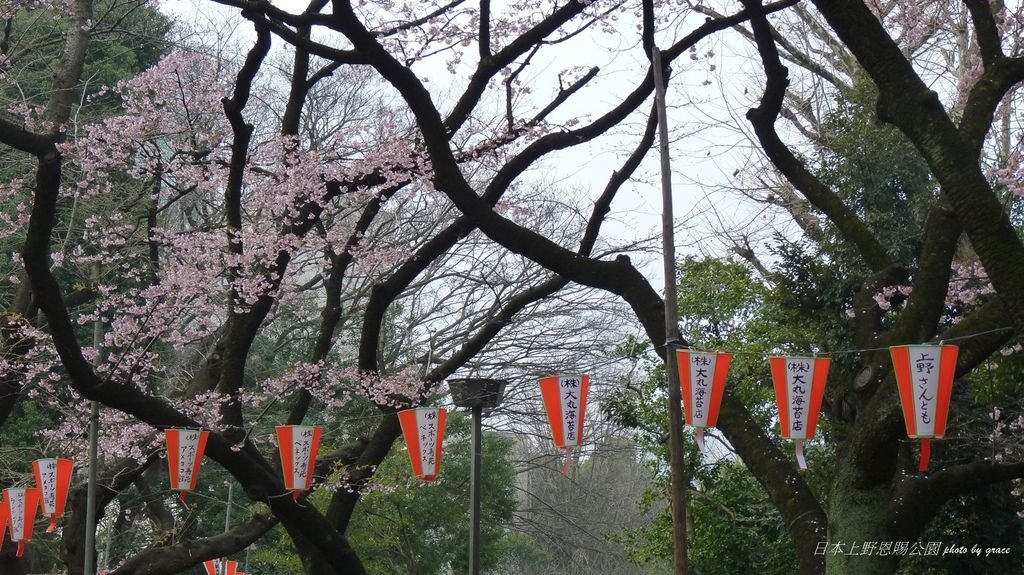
[[423, 429], [53, 479], [702, 375], [21, 504], [185, 448], [565, 400], [220, 567], [4, 518], [799, 389], [925, 374], [298, 445]]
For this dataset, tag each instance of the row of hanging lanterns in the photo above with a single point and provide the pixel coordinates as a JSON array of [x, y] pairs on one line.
[[20, 504], [221, 567], [297, 446], [565, 399], [924, 375]]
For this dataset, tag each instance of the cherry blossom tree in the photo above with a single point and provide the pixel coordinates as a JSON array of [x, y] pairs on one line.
[[166, 244], [221, 202], [951, 151]]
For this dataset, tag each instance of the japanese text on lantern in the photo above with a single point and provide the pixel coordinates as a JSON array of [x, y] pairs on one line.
[[427, 423], [925, 371], [800, 373], [302, 446], [702, 368], [188, 446], [16, 505], [48, 482], [569, 388]]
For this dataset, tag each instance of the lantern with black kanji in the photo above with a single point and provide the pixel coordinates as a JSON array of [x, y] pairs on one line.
[[423, 429], [565, 401], [53, 479], [702, 375], [185, 448], [298, 446], [20, 504], [799, 389], [924, 374]]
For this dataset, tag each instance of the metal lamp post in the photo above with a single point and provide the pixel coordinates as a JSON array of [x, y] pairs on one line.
[[477, 394]]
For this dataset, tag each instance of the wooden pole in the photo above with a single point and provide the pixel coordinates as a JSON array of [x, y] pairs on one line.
[[672, 338], [474, 491], [94, 424]]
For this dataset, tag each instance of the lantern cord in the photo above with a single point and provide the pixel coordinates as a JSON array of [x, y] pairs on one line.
[[699, 436], [798, 447], [568, 461], [870, 349], [926, 454]]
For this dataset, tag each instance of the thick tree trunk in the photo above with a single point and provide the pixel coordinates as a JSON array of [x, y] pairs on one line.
[[859, 523]]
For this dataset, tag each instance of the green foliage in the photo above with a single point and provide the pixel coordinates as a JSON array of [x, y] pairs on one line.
[[986, 519], [128, 38], [408, 526], [744, 532], [879, 173], [717, 300], [736, 528]]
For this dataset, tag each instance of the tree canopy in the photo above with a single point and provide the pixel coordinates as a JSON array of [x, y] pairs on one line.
[[325, 226]]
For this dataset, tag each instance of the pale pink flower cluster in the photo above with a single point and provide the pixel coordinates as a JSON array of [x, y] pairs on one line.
[[345, 483], [969, 285], [394, 389], [1010, 174], [969, 76], [15, 212], [884, 299], [118, 433], [204, 408], [444, 33], [30, 115], [911, 22], [1004, 434], [37, 366], [167, 151]]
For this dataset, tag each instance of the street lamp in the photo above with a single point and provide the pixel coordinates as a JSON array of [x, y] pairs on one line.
[[477, 394]]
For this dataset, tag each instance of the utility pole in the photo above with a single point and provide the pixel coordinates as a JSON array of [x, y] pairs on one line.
[[477, 394], [672, 338], [94, 424]]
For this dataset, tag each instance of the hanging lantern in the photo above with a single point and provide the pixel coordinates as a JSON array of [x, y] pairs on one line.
[[702, 375], [4, 518], [21, 505], [924, 374], [423, 429], [53, 478], [221, 567], [185, 449], [298, 445], [799, 388], [565, 400]]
